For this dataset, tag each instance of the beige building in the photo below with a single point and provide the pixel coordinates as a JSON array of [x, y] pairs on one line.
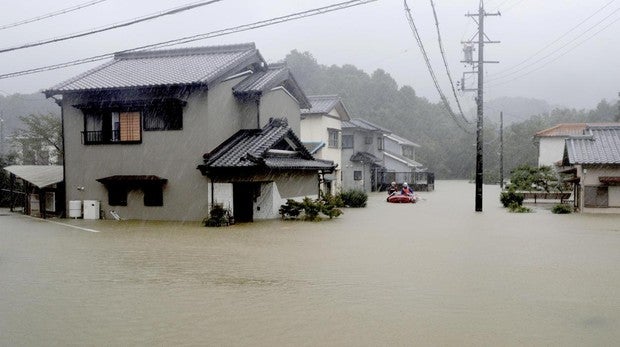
[[136, 129]]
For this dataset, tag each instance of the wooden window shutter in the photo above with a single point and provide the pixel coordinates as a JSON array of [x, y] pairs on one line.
[[130, 126]]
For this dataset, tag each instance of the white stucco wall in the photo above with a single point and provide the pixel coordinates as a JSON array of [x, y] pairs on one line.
[[314, 128], [550, 150]]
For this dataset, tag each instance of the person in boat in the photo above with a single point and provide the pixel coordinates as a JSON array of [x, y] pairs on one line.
[[406, 190], [392, 188]]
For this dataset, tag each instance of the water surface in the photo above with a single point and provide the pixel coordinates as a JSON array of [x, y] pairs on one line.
[[433, 273]]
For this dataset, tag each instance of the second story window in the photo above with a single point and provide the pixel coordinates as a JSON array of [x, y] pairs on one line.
[[103, 126], [168, 116], [347, 141], [380, 143], [333, 138]]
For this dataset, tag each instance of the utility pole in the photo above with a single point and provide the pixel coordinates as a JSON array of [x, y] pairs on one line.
[[501, 149], [482, 39]]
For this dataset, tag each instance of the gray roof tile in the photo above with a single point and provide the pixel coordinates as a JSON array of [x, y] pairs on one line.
[[263, 148], [600, 145], [275, 75], [201, 65], [321, 103]]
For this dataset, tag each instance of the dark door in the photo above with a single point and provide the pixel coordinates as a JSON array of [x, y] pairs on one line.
[[243, 201]]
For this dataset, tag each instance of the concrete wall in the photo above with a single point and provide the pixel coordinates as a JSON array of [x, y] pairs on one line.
[[209, 118], [590, 178], [278, 103]]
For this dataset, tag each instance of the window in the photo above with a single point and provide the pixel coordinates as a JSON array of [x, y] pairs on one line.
[[112, 127], [368, 140], [357, 175], [347, 141], [166, 116], [117, 195], [333, 138], [380, 143], [153, 195]]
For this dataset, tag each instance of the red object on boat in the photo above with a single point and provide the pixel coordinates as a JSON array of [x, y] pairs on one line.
[[400, 198]]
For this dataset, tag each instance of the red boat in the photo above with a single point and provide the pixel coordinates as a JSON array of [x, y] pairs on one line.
[[402, 198]]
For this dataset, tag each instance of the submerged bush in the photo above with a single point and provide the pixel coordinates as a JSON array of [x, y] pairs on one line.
[[516, 208], [218, 216], [310, 208], [562, 209], [354, 198], [510, 197]]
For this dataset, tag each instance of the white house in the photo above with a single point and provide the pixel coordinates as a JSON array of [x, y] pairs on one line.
[[321, 132]]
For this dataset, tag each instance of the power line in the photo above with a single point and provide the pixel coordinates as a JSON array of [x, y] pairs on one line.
[[555, 41], [556, 58], [113, 26], [445, 63], [52, 14], [414, 29], [222, 32]]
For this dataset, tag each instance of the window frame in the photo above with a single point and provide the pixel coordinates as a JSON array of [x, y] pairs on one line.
[[345, 143], [333, 138]]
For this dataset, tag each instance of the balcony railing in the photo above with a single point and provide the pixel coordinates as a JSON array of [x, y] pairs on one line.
[[105, 137]]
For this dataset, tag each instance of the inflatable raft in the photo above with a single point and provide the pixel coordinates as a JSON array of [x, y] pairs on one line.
[[401, 198]]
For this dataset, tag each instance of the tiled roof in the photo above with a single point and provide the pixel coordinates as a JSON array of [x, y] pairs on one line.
[[401, 140], [364, 124], [268, 148], [201, 65], [276, 75], [365, 157], [600, 145], [404, 160], [562, 130], [569, 129], [321, 103]]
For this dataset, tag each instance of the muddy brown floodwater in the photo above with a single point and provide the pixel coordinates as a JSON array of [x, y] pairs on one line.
[[433, 273]]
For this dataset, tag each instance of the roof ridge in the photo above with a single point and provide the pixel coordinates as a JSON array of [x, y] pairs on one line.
[[185, 51]]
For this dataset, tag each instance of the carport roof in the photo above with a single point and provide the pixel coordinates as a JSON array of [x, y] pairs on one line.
[[39, 175]]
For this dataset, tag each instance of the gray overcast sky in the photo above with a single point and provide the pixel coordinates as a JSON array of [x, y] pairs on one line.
[[371, 36]]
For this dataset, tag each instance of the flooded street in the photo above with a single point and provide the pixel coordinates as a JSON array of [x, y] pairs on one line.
[[433, 273]]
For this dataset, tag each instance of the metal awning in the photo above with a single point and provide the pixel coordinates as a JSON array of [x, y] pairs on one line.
[[610, 180], [40, 176]]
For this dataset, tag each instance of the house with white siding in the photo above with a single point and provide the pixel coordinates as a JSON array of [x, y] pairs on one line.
[[321, 132]]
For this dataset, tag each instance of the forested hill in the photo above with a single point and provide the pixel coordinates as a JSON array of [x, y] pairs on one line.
[[446, 149], [16, 105]]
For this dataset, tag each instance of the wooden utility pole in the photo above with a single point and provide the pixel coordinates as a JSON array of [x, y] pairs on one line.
[[482, 39], [501, 149]]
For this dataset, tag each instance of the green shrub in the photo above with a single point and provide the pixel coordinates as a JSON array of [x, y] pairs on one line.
[[334, 200], [310, 208], [354, 198], [516, 208], [562, 209], [510, 197], [291, 210]]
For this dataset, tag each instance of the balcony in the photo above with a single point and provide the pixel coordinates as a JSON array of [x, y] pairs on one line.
[[109, 137]]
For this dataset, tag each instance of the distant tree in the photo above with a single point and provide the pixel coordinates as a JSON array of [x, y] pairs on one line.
[[39, 142], [5, 183]]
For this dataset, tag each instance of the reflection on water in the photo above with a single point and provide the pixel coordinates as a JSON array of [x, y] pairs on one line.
[[433, 273]]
